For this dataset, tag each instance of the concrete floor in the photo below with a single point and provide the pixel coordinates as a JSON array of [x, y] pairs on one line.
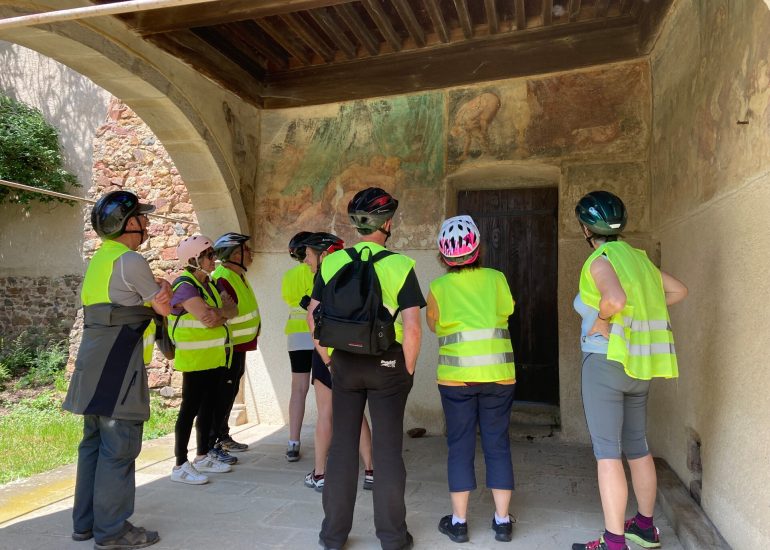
[[263, 503]]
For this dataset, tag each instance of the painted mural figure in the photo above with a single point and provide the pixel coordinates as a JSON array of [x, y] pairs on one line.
[[468, 309], [472, 121], [626, 341]]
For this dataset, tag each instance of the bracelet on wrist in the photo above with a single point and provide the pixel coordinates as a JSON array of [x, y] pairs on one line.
[[603, 319]]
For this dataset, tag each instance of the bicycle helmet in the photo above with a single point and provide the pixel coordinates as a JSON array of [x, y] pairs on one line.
[[296, 248], [370, 209], [459, 240], [323, 242], [113, 210], [602, 212], [190, 248], [228, 243]]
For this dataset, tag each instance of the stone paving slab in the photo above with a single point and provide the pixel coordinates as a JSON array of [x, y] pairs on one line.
[[263, 502]]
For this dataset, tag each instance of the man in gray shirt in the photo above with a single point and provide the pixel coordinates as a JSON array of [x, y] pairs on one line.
[[121, 299]]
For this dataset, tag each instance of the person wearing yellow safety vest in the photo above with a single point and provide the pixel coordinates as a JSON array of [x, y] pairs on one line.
[[198, 328], [109, 387], [468, 309], [383, 381], [318, 246], [296, 286], [235, 257], [626, 340]]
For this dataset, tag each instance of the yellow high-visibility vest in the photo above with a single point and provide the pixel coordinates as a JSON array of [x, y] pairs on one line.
[[297, 283], [641, 338], [246, 325], [472, 327]]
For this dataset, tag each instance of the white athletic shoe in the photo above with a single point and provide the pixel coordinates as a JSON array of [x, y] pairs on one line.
[[208, 464], [187, 473]]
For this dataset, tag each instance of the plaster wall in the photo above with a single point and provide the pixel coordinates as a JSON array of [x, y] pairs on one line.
[[710, 194], [76, 107]]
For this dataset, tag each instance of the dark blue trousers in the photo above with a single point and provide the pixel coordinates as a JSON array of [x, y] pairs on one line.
[[488, 407]]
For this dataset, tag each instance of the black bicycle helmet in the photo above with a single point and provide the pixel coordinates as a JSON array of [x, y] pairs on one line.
[[296, 248], [113, 210], [602, 212], [370, 209], [323, 242], [228, 243]]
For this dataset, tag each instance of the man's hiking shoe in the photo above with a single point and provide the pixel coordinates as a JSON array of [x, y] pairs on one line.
[[80, 537], [218, 453], [132, 537], [232, 446], [186, 473], [211, 465], [503, 531], [457, 532], [292, 452], [368, 480], [646, 538], [593, 545], [315, 482]]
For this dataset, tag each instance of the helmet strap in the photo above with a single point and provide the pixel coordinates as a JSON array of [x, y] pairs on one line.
[[196, 267], [239, 264]]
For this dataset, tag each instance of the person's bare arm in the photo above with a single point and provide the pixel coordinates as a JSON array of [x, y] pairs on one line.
[[431, 312], [161, 303], [204, 313], [311, 323], [675, 289], [412, 336], [229, 309], [613, 297]]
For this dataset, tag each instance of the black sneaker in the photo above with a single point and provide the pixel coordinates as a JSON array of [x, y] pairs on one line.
[[368, 480], [292, 452], [503, 531], [646, 538], [593, 545], [80, 537], [457, 532], [232, 446]]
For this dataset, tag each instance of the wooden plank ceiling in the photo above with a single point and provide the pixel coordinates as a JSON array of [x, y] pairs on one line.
[[286, 53]]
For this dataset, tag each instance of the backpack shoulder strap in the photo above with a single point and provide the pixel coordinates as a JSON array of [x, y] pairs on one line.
[[353, 253], [381, 254]]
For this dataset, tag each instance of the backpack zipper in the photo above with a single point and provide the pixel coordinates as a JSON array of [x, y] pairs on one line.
[[130, 384]]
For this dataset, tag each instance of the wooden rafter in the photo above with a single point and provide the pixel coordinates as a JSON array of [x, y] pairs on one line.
[[465, 18], [492, 19], [437, 18], [247, 39], [547, 13], [574, 9], [413, 26], [308, 36], [380, 18], [324, 20], [284, 41], [356, 25], [521, 15]]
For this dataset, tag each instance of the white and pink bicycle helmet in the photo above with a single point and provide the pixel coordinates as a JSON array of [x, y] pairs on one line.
[[190, 248], [458, 241]]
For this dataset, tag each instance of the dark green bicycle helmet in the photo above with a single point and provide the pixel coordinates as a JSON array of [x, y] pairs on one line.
[[602, 212]]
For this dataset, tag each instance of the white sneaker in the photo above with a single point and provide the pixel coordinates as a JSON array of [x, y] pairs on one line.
[[208, 464], [187, 473]]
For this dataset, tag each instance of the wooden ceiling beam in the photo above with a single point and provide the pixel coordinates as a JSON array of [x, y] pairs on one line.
[[465, 18], [218, 13], [358, 28], [324, 20], [650, 17], [308, 36], [284, 41], [547, 13], [574, 10], [413, 26], [380, 18], [521, 15], [530, 52], [212, 64], [492, 19], [437, 18], [244, 37]]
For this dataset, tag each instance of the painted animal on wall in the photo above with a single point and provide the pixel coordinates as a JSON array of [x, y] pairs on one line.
[[472, 121]]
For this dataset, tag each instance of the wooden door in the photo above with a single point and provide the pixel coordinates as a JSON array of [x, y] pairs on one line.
[[519, 237]]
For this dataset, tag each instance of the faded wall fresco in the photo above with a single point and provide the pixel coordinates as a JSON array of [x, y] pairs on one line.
[[314, 159]]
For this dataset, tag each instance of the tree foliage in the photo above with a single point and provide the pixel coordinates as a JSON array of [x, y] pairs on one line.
[[30, 154]]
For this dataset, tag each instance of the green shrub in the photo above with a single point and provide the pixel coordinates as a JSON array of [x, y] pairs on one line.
[[16, 355], [46, 364], [30, 154]]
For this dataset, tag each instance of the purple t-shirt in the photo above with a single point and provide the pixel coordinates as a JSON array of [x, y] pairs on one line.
[[183, 292]]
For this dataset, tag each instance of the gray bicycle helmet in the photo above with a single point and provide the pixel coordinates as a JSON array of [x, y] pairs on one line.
[[602, 212]]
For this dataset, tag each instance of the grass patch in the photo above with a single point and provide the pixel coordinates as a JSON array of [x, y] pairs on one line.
[[37, 436]]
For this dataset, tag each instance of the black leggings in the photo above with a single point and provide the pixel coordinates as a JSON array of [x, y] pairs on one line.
[[229, 384], [200, 397]]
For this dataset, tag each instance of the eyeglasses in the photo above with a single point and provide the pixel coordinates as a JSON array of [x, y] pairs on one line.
[[208, 255]]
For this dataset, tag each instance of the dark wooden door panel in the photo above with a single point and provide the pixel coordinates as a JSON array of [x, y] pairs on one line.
[[519, 237]]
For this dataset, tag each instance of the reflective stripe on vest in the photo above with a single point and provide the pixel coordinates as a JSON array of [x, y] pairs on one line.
[[248, 309], [96, 287], [199, 347], [296, 283], [472, 328], [641, 338]]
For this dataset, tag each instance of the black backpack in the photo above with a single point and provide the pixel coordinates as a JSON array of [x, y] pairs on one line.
[[352, 316]]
